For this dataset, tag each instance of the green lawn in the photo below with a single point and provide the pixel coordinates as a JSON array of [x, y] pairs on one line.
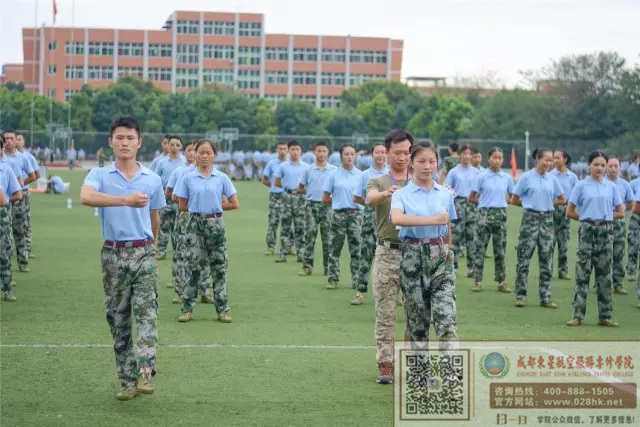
[[255, 371]]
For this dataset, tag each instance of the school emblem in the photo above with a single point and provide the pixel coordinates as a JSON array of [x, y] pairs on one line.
[[494, 365]]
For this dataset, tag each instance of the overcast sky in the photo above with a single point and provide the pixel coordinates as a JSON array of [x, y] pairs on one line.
[[442, 37]]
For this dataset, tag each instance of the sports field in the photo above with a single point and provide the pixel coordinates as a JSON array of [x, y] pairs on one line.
[[295, 355]]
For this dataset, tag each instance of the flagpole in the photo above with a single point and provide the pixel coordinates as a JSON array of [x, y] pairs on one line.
[[52, 39], [33, 71], [73, 21]]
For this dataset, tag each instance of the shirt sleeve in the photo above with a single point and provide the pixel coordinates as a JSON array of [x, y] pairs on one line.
[[182, 188], [557, 188], [156, 198], [452, 208], [477, 184], [173, 178], [372, 184], [617, 200], [267, 170], [304, 179], [13, 186], [629, 197], [450, 179], [328, 185], [361, 190], [94, 179], [576, 195], [396, 201], [521, 186], [279, 172], [27, 166], [228, 188], [510, 186]]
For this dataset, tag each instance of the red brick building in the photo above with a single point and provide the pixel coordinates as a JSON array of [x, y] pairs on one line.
[[194, 49]]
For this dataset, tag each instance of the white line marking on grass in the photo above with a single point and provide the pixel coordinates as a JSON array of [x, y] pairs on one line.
[[274, 346]]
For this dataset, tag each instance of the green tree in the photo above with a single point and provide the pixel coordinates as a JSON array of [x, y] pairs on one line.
[[376, 114], [294, 117], [394, 91], [346, 122]]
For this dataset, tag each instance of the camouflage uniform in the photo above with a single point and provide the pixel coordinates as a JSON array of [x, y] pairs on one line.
[[561, 236], [130, 278], [619, 237], [276, 201], [167, 227], [536, 231], [178, 267], [491, 222], [463, 233], [349, 223], [20, 214], [471, 233], [317, 217], [5, 248], [26, 199], [367, 247], [205, 243], [293, 215], [450, 163], [633, 240], [595, 251]]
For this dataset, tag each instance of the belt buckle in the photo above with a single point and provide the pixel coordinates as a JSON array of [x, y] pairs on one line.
[[128, 244]]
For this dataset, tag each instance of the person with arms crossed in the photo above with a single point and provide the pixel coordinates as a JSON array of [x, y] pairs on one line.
[[129, 197]]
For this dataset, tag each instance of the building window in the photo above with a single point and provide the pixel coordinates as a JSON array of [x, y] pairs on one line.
[[218, 76], [159, 49], [160, 74], [310, 99], [130, 71], [248, 55], [68, 94], [277, 77], [333, 79], [187, 77], [358, 79], [330, 102], [305, 54], [101, 48], [53, 45], [250, 29], [220, 28], [51, 93], [304, 78], [276, 54], [74, 72], [274, 99], [74, 48], [99, 72], [333, 55], [51, 69], [188, 27], [188, 53], [368, 56], [218, 52], [130, 49], [248, 79]]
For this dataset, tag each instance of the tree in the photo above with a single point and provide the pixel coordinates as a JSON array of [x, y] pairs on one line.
[[345, 122], [376, 114], [394, 91], [294, 117], [442, 118]]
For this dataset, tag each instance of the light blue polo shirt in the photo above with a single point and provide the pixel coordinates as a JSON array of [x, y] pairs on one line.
[[313, 180], [58, 184], [124, 223], [179, 173], [538, 192], [415, 200], [342, 185], [367, 176], [493, 187], [309, 158], [156, 160], [166, 166], [290, 174], [204, 195], [32, 160], [462, 179], [270, 173], [595, 200], [635, 186], [567, 180], [23, 163], [12, 165], [334, 159], [8, 182], [624, 189]]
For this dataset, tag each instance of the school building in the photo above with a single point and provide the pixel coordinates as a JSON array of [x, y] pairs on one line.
[[194, 49]]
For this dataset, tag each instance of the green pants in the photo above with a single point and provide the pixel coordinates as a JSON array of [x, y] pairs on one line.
[[343, 224], [317, 219], [536, 231], [561, 236], [619, 239], [491, 222], [367, 247], [5, 248]]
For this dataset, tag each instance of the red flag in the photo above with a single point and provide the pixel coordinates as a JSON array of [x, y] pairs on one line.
[[55, 11], [514, 164]]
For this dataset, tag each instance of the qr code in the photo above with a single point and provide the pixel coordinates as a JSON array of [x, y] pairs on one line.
[[433, 385]]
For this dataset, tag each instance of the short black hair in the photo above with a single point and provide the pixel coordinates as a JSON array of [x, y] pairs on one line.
[[18, 133], [126, 122], [1, 141], [320, 144], [465, 147], [595, 154], [395, 136], [205, 142], [175, 137], [166, 136], [422, 146], [493, 150], [6, 131], [345, 146], [294, 143], [564, 153], [454, 146], [378, 144], [474, 150], [281, 143], [539, 152]]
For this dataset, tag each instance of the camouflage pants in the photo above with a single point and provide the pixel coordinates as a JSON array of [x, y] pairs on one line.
[[536, 231], [462, 233], [293, 216], [561, 236], [5, 248], [317, 218], [178, 268], [343, 224], [595, 251], [633, 240], [205, 244], [472, 234], [275, 209], [367, 247], [386, 285], [26, 199], [130, 279], [167, 227], [20, 212], [491, 222], [619, 238], [427, 277]]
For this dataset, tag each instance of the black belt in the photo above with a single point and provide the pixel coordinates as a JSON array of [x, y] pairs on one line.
[[461, 197], [203, 215], [128, 243], [538, 212], [592, 222], [313, 202], [390, 245], [351, 211], [291, 191], [432, 241]]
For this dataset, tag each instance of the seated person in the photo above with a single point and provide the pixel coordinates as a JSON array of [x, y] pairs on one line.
[[55, 185]]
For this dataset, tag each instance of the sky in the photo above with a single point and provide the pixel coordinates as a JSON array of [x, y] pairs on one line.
[[443, 38]]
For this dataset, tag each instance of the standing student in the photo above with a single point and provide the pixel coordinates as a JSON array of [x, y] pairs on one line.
[[450, 162], [561, 223], [163, 154], [293, 204], [129, 197], [461, 179], [633, 236], [368, 236], [26, 195], [200, 193], [538, 192], [599, 204], [10, 189], [346, 218], [276, 196], [168, 215], [476, 160], [424, 211], [317, 213], [490, 193], [619, 225]]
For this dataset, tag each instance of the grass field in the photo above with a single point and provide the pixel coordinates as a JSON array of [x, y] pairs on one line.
[[296, 354]]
